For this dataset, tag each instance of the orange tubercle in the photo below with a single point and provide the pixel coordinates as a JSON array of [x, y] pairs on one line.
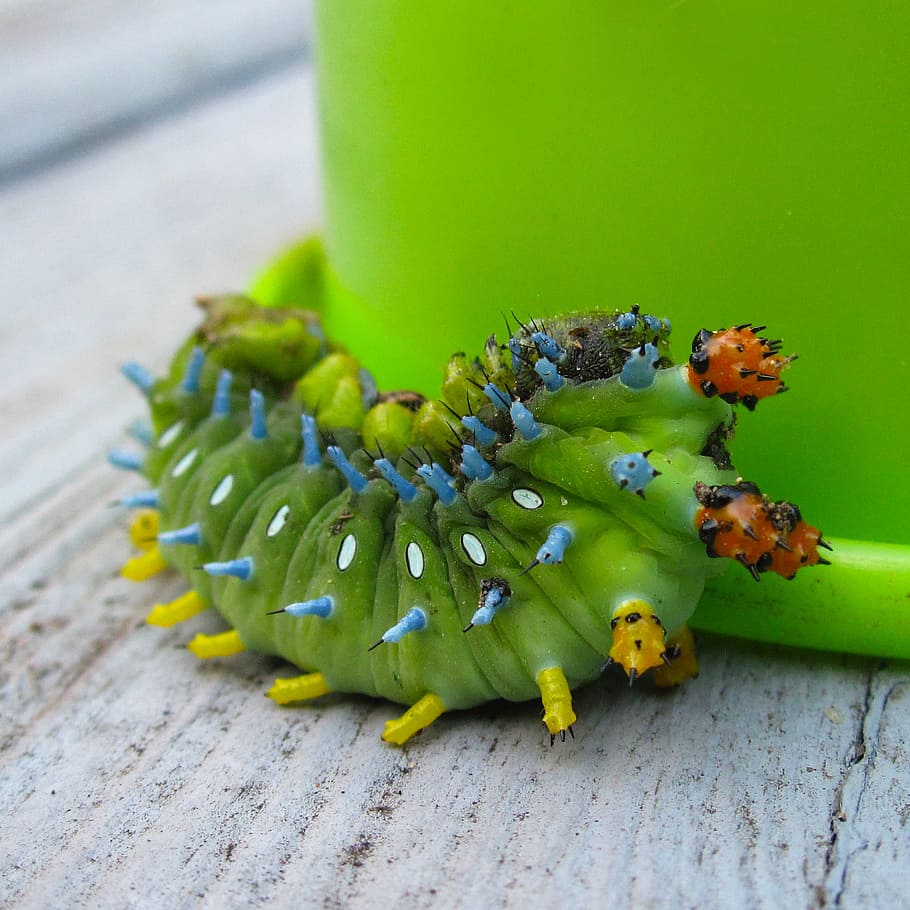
[[737, 365], [738, 522]]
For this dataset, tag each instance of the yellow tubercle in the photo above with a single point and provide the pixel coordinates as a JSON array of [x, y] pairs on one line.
[[222, 645], [683, 664], [144, 529], [557, 701], [298, 688], [184, 607], [139, 568], [638, 638], [415, 719]]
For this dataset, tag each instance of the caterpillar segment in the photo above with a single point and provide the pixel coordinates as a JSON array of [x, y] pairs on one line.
[[557, 507]]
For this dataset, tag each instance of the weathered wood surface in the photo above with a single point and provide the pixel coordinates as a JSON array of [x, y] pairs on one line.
[[134, 776]]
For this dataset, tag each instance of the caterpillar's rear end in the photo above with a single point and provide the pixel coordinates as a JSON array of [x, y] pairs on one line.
[[557, 510]]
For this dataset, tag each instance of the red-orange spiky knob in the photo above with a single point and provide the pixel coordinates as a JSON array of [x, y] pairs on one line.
[[738, 522], [737, 364]]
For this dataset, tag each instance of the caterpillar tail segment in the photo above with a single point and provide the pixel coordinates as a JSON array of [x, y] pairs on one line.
[[558, 715], [298, 688], [225, 644], [416, 718]]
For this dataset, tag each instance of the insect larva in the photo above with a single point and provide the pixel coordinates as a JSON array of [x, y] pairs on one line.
[[558, 509]]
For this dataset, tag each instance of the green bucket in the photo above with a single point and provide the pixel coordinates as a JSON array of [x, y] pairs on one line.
[[713, 162]]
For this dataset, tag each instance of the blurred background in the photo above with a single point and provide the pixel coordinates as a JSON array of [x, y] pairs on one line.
[[77, 75], [148, 152]]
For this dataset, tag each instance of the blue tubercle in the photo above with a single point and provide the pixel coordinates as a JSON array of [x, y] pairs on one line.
[[499, 399], [415, 620], [404, 488], [190, 383], [191, 535], [138, 375], [630, 321], [653, 323], [524, 421], [319, 606], [547, 371], [517, 354], [495, 594], [311, 454], [221, 406], [548, 347], [632, 472], [440, 482], [473, 465], [482, 433], [356, 481], [144, 499], [554, 547], [639, 371], [241, 568], [128, 461], [258, 429], [141, 430]]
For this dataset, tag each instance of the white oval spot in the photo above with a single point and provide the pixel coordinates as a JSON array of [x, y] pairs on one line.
[[222, 491], [527, 499], [170, 434], [414, 557], [474, 548], [346, 552], [185, 463], [279, 520]]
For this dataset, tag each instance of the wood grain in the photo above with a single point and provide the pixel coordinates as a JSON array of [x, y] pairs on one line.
[[133, 775]]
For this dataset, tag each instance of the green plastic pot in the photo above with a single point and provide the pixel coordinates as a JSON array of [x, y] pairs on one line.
[[713, 162]]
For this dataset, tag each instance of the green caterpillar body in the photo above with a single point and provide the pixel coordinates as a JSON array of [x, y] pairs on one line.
[[547, 515]]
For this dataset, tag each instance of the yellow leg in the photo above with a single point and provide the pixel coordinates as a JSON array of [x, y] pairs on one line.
[[683, 665], [418, 716], [557, 702], [298, 688], [222, 645], [139, 568], [184, 607], [144, 529]]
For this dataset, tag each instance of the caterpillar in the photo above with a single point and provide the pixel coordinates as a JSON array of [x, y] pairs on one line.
[[555, 511]]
